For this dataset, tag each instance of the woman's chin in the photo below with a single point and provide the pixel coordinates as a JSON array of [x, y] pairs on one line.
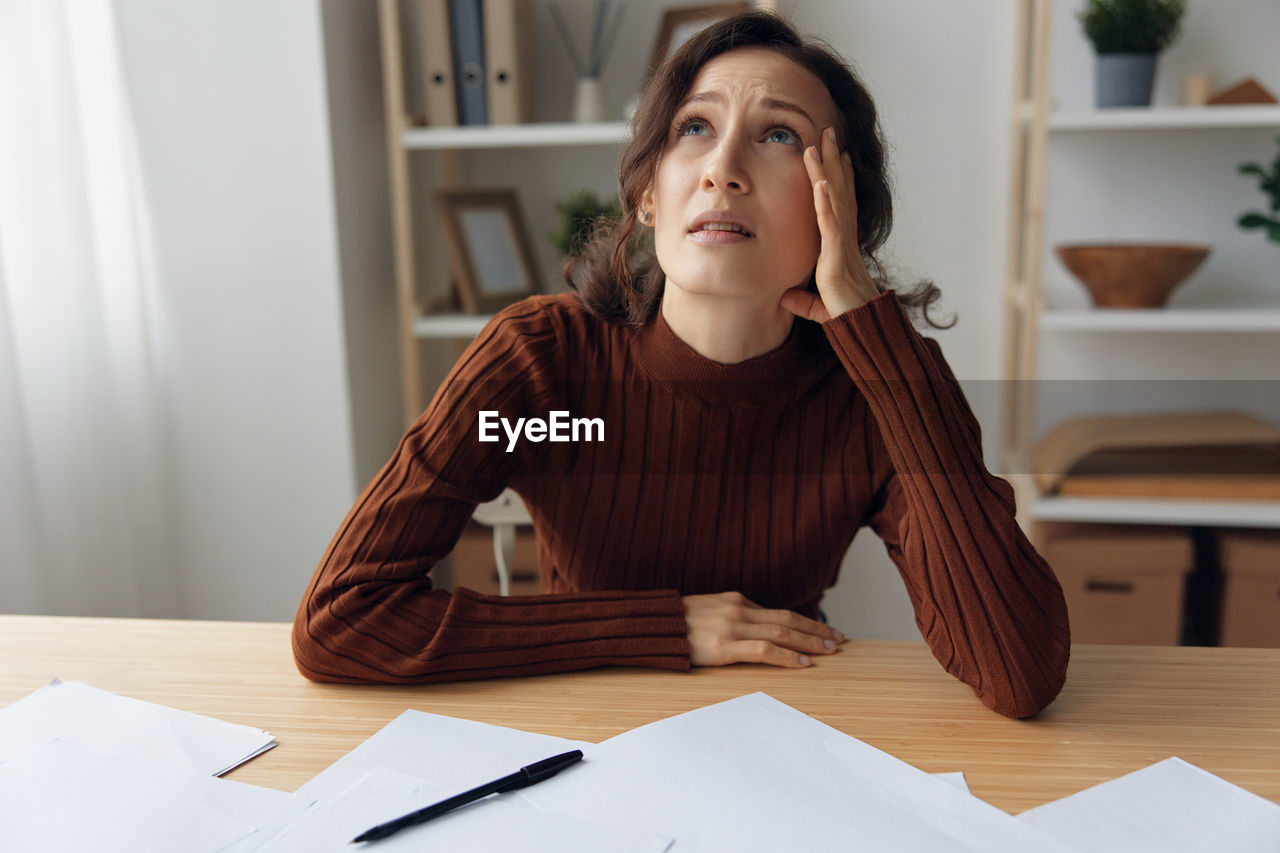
[[730, 288]]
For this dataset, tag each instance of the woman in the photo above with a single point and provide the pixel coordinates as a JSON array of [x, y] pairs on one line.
[[763, 396]]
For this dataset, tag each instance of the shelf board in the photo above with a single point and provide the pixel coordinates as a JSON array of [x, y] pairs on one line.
[[516, 135], [449, 326], [1159, 511], [1253, 319], [1166, 118]]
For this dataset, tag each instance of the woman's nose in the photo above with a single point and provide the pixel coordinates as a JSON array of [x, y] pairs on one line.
[[725, 170]]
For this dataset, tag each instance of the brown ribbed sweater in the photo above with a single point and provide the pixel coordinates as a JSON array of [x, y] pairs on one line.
[[751, 477]]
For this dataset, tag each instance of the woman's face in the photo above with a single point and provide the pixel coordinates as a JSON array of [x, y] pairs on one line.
[[736, 153]]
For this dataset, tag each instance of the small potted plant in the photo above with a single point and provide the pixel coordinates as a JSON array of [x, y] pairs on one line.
[[1269, 183], [1127, 36], [578, 215]]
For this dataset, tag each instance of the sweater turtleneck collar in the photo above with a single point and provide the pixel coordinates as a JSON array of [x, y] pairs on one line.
[[663, 357]]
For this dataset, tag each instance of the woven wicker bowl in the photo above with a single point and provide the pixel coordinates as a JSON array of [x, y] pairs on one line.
[[1132, 275]]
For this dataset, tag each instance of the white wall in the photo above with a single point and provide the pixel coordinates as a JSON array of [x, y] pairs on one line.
[[941, 74], [230, 104]]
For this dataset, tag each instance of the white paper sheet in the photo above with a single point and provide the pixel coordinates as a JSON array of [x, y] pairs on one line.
[[502, 824], [1168, 807], [445, 751], [955, 779], [114, 726], [755, 774], [60, 797]]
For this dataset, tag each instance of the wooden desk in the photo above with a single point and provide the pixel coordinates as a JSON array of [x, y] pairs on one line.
[[1124, 707]]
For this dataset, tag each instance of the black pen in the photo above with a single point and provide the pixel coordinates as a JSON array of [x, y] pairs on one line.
[[522, 778]]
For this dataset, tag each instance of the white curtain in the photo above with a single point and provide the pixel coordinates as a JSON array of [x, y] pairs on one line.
[[84, 503]]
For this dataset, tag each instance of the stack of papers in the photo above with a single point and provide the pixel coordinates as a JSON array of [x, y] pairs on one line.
[[1170, 806], [748, 774], [60, 796], [84, 769], [505, 823], [114, 726], [755, 774], [418, 759]]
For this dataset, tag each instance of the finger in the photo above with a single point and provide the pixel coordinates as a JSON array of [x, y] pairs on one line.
[[832, 158], [739, 599], [827, 196], [763, 651], [822, 161], [829, 220], [802, 303], [830, 148], [787, 638], [813, 165], [791, 619]]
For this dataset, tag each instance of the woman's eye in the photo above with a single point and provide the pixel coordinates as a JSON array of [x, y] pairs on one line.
[[689, 123], [790, 136]]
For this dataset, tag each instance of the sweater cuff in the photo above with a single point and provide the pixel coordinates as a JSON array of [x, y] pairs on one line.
[[562, 631]]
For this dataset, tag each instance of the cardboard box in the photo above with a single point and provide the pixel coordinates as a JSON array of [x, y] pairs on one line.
[[1124, 584], [1250, 561]]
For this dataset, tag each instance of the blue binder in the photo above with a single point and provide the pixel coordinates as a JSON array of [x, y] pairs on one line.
[[466, 26]]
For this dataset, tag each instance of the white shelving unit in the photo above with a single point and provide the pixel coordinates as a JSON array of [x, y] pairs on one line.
[[1232, 320], [1026, 314], [450, 141], [448, 326], [1165, 118], [547, 134], [402, 138], [1160, 511]]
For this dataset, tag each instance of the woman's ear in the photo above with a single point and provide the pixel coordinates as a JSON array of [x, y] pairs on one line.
[[645, 212]]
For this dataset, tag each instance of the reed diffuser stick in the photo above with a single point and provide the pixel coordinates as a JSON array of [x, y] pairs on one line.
[[602, 12], [567, 39], [614, 26]]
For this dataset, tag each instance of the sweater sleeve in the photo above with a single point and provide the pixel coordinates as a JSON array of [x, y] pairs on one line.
[[371, 614], [986, 602]]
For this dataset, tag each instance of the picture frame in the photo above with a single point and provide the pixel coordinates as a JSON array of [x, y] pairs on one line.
[[490, 254], [679, 24]]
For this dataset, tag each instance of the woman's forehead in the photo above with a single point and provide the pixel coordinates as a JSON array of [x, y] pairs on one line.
[[759, 74]]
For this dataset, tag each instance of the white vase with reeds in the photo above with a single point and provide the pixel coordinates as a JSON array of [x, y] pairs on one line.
[[588, 98]]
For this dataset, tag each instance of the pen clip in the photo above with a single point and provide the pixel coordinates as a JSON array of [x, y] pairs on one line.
[[544, 769]]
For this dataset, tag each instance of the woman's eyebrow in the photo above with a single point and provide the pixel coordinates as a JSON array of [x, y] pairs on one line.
[[775, 103]]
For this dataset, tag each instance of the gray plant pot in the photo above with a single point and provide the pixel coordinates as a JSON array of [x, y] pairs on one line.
[[1125, 79]]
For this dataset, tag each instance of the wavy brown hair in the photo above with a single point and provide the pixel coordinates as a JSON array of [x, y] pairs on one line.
[[617, 275]]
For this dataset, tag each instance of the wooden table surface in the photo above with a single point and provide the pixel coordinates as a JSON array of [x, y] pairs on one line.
[[1124, 707]]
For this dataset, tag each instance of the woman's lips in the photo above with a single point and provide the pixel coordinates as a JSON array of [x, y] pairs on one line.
[[717, 237]]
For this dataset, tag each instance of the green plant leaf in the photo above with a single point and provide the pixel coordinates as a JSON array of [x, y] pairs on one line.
[[1132, 26], [579, 214]]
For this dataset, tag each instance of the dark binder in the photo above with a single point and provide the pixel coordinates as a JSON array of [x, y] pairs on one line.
[[467, 28]]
